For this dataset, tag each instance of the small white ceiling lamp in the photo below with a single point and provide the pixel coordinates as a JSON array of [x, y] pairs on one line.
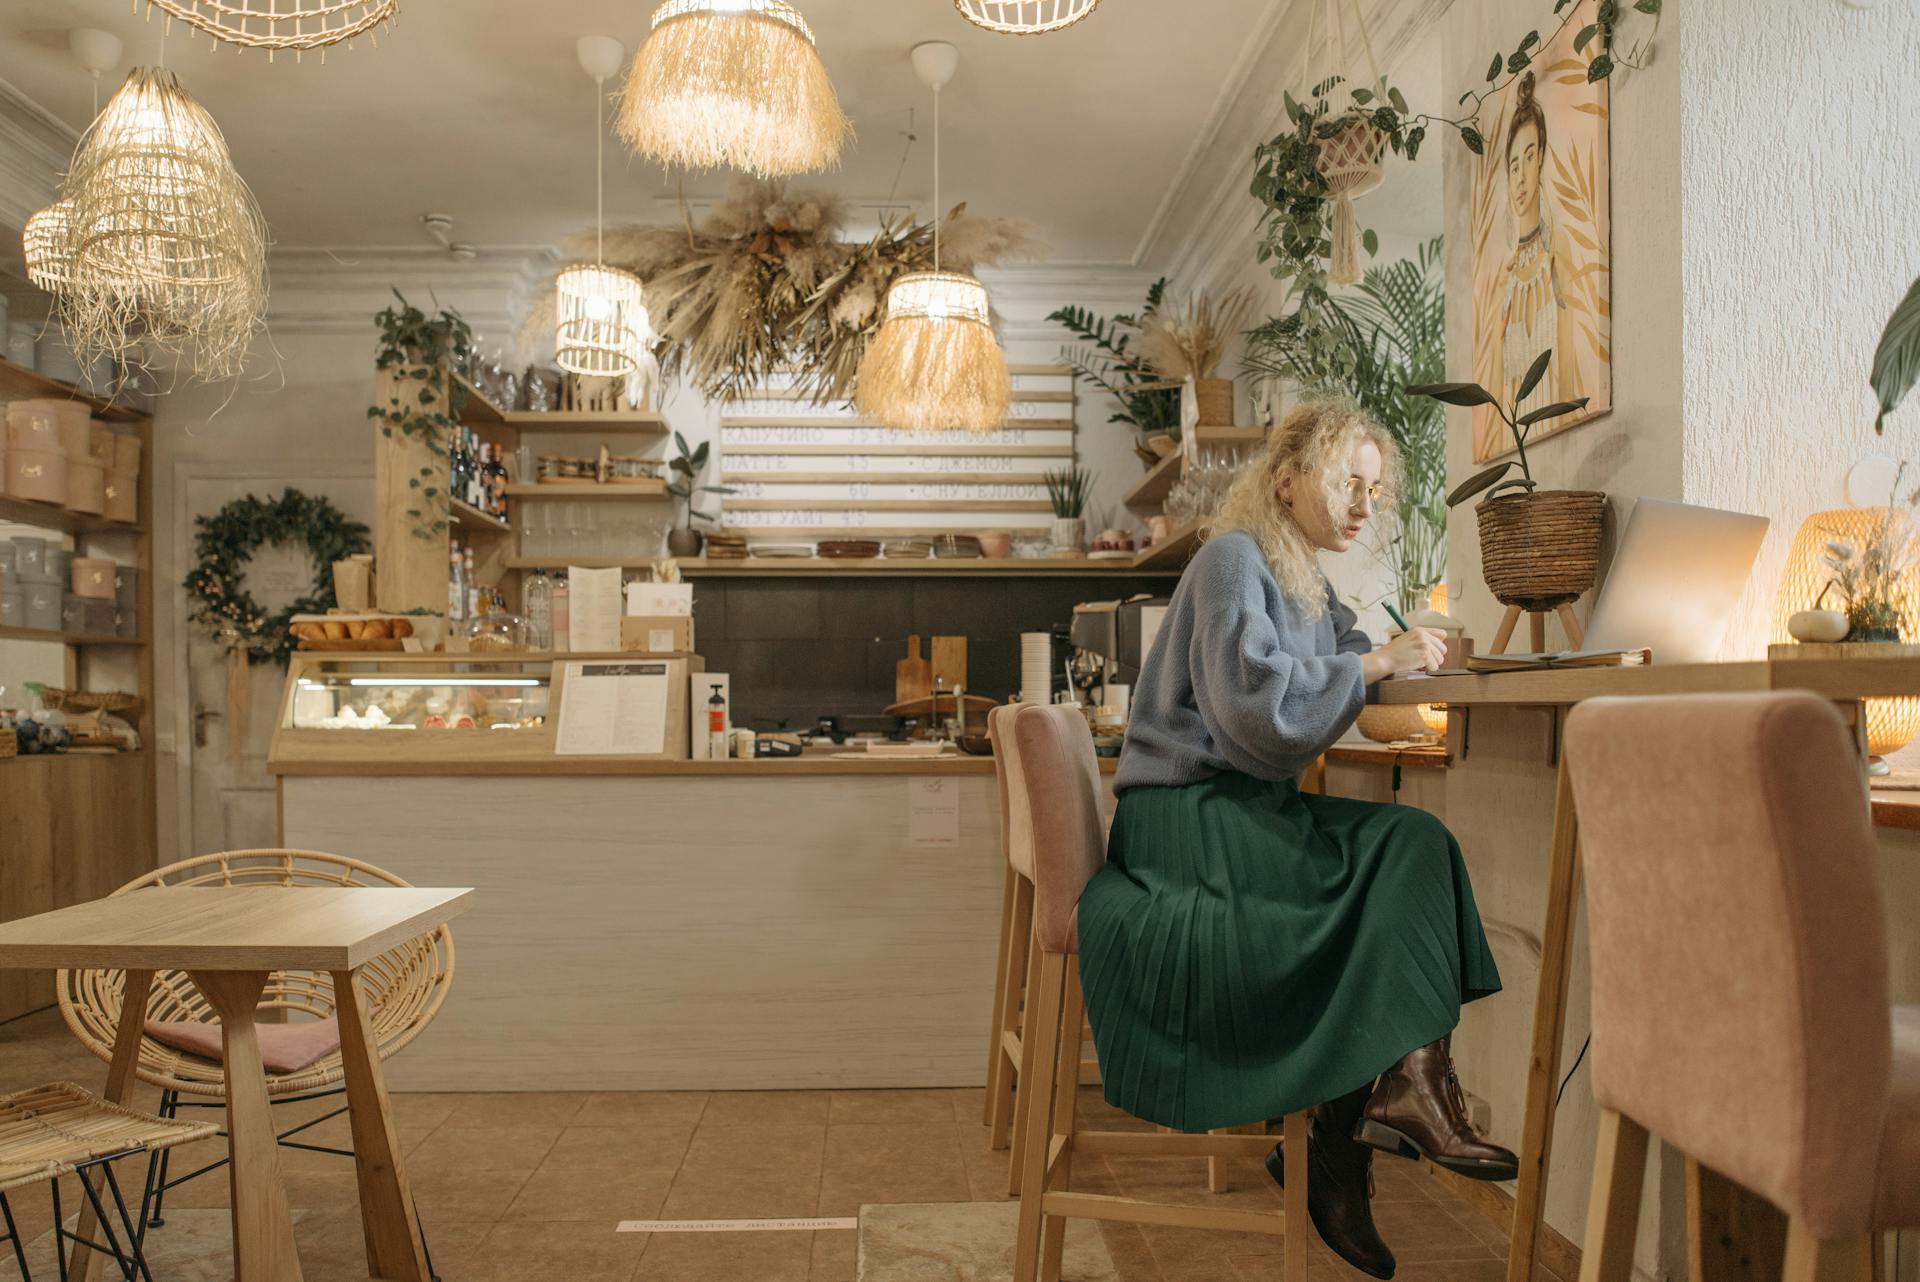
[[733, 83], [276, 25], [602, 310], [46, 240], [935, 364], [1025, 17]]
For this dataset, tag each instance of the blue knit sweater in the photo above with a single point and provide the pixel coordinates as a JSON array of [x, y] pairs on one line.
[[1238, 680]]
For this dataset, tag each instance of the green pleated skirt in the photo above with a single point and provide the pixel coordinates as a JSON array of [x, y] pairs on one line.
[[1250, 950]]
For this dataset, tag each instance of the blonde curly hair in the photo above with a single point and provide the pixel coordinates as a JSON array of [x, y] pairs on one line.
[[1316, 441]]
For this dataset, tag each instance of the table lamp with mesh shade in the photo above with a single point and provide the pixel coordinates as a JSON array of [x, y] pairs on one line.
[[1891, 723]]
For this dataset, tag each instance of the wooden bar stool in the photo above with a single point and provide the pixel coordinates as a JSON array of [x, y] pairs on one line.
[[1740, 991], [1055, 758]]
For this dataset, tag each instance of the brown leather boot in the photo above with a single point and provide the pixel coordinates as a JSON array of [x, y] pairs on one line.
[[1417, 1110], [1340, 1186]]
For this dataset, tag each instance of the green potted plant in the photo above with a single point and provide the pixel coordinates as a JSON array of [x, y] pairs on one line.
[[1149, 403], [1896, 365], [1067, 489], [686, 467], [1539, 549]]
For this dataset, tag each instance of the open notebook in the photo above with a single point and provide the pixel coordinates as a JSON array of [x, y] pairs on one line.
[[1558, 659]]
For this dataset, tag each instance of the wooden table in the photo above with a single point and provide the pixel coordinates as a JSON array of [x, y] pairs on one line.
[[1846, 681], [228, 939]]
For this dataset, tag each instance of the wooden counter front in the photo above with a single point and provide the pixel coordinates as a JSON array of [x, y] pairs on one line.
[[814, 765]]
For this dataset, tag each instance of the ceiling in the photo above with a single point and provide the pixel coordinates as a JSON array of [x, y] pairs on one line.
[[478, 109]]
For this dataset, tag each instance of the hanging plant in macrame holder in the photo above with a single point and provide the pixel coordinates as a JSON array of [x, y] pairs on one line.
[[1353, 159]]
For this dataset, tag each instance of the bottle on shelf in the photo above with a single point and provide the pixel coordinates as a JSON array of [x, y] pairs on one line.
[[536, 601], [561, 622], [497, 483], [473, 588], [456, 587]]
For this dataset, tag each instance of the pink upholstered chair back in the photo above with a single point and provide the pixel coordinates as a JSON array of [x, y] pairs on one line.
[[1738, 940], [1055, 758], [1016, 827]]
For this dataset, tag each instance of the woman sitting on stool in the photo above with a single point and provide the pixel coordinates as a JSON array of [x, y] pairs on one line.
[[1249, 950]]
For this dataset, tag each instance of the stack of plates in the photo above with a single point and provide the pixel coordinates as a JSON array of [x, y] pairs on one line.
[[723, 545], [956, 545], [786, 550], [1036, 667], [913, 549], [850, 549]]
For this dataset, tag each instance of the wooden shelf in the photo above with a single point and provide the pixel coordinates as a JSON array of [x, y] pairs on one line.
[[18, 383], [642, 492], [51, 516], [470, 517], [775, 567], [1173, 554], [1153, 488], [480, 411], [760, 476], [69, 638], [889, 505], [854, 422]]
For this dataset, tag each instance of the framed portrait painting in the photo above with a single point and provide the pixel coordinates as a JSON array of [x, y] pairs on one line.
[[1542, 240]]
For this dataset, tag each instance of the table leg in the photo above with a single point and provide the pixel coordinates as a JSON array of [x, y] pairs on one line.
[[263, 1249], [1549, 1024], [394, 1250], [120, 1079], [1505, 632]]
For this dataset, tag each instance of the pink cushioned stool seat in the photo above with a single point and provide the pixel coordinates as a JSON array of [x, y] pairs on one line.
[[284, 1048]]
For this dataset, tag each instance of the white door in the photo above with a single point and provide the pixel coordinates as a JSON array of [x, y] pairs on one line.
[[227, 799]]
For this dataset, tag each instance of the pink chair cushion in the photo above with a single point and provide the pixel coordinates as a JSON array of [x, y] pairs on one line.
[[1738, 943], [284, 1048], [1016, 824], [1056, 761], [1897, 1202]]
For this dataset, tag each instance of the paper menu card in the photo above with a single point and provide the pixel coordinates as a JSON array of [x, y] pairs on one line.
[[593, 604], [663, 600], [613, 710]]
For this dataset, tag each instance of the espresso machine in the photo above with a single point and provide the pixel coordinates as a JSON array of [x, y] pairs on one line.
[[1110, 639]]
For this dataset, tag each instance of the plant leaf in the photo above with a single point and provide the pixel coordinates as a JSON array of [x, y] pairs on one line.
[[1468, 394], [1552, 411], [1517, 483], [1896, 364], [1476, 483], [1535, 372]]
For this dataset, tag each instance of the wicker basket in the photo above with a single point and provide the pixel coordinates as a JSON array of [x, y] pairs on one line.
[[1214, 397], [1541, 550], [1392, 723], [122, 705]]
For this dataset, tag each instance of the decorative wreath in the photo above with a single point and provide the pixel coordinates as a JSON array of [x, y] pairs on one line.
[[228, 540]]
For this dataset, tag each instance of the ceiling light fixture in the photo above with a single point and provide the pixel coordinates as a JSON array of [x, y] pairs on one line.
[[935, 364], [276, 25], [46, 241], [737, 83], [1024, 17], [602, 310], [168, 244]]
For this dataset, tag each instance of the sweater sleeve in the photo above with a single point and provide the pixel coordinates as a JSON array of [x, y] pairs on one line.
[[1262, 694], [1347, 639]]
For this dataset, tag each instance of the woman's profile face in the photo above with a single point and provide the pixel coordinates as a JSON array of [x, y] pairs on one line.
[[1525, 157], [1335, 529]]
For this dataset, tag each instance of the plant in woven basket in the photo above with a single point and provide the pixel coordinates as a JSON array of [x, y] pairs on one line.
[[1494, 479], [1108, 360], [419, 349]]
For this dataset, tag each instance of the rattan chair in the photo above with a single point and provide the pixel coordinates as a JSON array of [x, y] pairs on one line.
[[61, 1129], [403, 990]]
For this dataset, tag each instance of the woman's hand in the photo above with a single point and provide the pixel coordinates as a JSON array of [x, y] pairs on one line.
[[1420, 650]]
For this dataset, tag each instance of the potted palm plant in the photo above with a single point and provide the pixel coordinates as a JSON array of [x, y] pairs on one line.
[[1539, 549], [1067, 490], [686, 467]]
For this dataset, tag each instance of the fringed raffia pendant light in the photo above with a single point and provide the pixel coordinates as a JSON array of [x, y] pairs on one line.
[[935, 364], [732, 83], [602, 310], [1024, 17], [47, 244], [277, 25], [169, 247]]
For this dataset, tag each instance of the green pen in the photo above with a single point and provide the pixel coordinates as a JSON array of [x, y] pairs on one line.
[[1394, 614]]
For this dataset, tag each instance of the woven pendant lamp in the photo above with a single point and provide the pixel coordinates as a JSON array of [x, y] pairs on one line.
[[1024, 17], [732, 83], [169, 247], [276, 25], [935, 364], [47, 244], [602, 310]]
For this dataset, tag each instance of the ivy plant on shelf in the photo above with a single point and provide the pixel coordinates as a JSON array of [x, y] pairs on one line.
[[420, 350], [1106, 359]]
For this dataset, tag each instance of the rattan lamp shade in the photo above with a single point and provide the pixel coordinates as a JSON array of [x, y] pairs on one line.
[[169, 247], [603, 314], [1891, 723], [47, 244], [274, 25], [935, 364], [1024, 17], [732, 83]]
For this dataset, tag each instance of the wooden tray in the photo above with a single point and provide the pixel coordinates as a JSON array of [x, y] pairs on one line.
[[389, 644], [923, 706]]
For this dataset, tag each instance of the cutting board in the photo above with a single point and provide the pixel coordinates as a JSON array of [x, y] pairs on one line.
[[913, 675], [949, 662]]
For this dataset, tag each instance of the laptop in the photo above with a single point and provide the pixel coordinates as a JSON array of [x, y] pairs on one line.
[[1670, 593]]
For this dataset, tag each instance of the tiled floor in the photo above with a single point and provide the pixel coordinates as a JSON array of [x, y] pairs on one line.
[[527, 1188]]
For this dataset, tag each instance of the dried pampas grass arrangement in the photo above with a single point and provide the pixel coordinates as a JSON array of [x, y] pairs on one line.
[[167, 244], [765, 285], [1189, 340], [735, 83], [935, 364]]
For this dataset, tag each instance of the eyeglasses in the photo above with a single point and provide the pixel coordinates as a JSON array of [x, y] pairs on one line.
[[1356, 487]]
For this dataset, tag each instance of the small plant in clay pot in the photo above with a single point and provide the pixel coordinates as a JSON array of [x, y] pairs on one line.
[[686, 467]]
